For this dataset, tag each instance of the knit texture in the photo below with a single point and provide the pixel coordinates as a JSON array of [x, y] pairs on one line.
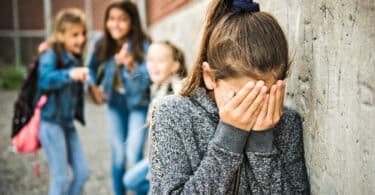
[[193, 152]]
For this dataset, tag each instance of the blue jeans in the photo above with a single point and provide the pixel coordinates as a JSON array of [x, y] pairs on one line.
[[127, 137], [135, 178], [137, 136], [62, 147]]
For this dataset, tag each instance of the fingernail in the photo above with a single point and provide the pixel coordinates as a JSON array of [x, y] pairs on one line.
[[264, 89], [231, 94], [260, 83], [250, 84]]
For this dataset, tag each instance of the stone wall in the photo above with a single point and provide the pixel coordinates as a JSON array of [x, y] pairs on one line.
[[332, 82]]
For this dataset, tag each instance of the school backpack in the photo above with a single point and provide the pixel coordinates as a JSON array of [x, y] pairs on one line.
[[26, 116], [24, 104], [27, 113]]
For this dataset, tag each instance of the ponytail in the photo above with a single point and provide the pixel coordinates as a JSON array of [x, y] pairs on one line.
[[217, 10]]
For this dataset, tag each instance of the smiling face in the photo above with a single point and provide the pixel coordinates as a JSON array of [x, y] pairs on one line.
[[160, 63], [118, 24], [73, 38]]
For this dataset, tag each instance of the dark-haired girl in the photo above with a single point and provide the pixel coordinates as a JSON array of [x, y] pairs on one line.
[[122, 51]]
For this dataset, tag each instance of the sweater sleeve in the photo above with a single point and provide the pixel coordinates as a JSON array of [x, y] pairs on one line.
[[269, 164], [171, 169]]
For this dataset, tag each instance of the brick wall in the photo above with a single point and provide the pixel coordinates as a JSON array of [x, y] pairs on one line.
[[6, 15], [32, 24], [30, 14], [157, 9]]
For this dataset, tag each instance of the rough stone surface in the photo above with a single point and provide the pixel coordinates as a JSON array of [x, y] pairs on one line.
[[332, 82]]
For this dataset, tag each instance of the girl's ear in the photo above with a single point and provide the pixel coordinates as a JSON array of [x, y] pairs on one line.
[[176, 65], [208, 77]]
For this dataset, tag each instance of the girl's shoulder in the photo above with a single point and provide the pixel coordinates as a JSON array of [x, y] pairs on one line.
[[290, 125], [172, 105], [291, 115], [48, 56], [48, 53]]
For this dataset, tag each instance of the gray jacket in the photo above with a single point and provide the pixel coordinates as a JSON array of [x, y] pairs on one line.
[[193, 152]]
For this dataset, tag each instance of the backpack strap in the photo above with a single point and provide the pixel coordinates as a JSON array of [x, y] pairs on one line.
[[36, 164]]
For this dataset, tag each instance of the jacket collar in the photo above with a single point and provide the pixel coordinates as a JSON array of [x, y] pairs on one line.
[[200, 97], [69, 57]]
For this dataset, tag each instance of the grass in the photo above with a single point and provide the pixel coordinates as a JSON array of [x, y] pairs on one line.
[[11, 77]]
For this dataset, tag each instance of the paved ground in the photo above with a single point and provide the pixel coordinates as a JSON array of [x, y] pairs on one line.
[[16, 170]]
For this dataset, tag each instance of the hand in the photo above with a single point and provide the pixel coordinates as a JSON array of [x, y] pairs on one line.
[[123, 57], [98, 96], [272, 108], [242, 110], [79, 74]]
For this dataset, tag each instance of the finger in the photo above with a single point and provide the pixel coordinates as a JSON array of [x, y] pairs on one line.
[[256, 115], [257, 104], [263, 110], [125, 48], [249, 99], [278, 97], [278, 100], [271, 103], [283, 96], [241, 95]]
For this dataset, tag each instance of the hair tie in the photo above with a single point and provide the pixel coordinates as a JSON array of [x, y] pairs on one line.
[[244, 5]]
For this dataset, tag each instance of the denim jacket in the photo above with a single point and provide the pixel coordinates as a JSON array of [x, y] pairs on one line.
[[65, 96], [136, 84]]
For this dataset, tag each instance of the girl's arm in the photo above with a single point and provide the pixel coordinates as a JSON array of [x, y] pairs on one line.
[[270, 166], [51, 78], [93, 64], [171, 168]]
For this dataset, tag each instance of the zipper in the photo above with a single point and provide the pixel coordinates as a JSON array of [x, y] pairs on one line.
[[237, 181]]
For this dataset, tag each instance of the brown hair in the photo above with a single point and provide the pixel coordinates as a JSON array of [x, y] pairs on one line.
[[178, 56], [107, 47], [239, 44], [64, 17]]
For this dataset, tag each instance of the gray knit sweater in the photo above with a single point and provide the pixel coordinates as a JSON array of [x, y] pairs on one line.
[[193, 152]]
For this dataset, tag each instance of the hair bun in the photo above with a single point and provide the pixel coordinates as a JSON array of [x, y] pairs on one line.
[[244, 6]]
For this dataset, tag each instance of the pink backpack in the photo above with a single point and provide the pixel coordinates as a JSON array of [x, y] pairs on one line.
[[27, 138]]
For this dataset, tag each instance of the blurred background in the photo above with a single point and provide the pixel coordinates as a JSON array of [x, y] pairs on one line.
[[332, 83]]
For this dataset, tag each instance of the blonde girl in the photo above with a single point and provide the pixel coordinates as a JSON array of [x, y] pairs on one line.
[[61, 78]]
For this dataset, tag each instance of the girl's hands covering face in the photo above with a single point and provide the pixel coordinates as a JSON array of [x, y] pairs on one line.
[[241, 110], [272, 107]]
